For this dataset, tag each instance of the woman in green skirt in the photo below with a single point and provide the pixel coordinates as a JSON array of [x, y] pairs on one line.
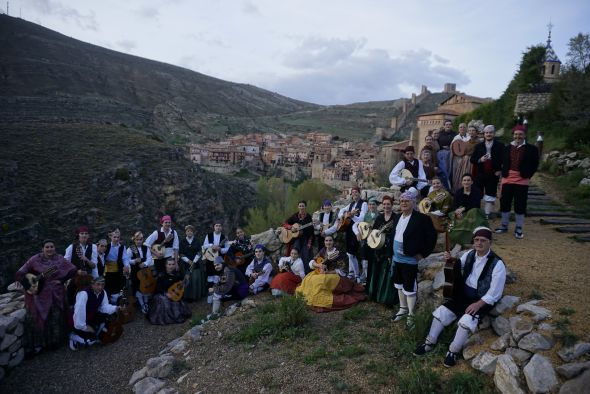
[[189, 254]]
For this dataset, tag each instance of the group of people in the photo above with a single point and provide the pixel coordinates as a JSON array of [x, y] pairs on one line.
[[456, 171], [87, 283]]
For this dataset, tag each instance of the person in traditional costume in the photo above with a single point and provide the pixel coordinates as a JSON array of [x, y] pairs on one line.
[[89, 314], [481, 287], [379, 284], [415, 167], [303, 243], [467, 213], [428, 163], [364, 250], [163, 310], [439, 199], [444, 139], [190, 257], [116, 264], [167, 237], [353, 212], [487, 157], [83, 255], [325, 288], [101, 247], [216, 242], [414, 238], [45, 299], [140, 257], [326, 223], [520, 162], [241, 251], [290, 275], [232, 285], [462, 148], [259, 271]]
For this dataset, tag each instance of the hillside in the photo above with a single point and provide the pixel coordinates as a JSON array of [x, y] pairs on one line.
[[54, 178], [46, 76]]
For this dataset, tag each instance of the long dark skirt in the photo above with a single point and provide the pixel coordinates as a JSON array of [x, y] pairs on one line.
[[197, 285], [53, 334], [380, 284], [165, 311]]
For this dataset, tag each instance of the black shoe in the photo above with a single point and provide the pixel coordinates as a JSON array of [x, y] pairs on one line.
[[423, 349], [501, 230], [518, 233], [450, 359]]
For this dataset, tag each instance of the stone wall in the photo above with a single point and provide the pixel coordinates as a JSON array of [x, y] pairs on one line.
[[528, 102], [12, 314]]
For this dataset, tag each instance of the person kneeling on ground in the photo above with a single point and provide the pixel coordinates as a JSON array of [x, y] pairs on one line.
[[482, 284], [90, 312], [232, 285]]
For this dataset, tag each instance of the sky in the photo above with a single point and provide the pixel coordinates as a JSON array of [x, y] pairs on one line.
[[325, 51]]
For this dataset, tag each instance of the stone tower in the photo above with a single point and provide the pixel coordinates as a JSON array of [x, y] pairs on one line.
[[552, 63]]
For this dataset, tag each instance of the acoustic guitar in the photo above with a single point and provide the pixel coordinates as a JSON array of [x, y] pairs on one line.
[[407, 175], [287, 235], [112, 330], [176, 290], [34, 283], [377, 238], [453, 275], [127, 303], [158, 251], [147, 282], [364, 229], [238, 259], [210, 253]]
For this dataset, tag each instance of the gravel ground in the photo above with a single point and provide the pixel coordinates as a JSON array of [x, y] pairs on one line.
[[100, 369]]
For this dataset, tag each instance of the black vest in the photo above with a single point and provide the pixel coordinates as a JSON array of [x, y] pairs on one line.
[[322, 214], [143, 251], [210, 238], [76, 259], [93, 304], [413, 168], [485, 278], [162, 237], [100, 265], [119, 255]]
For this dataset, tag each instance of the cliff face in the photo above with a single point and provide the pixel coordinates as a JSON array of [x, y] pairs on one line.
[[54, 178], [52, 68]]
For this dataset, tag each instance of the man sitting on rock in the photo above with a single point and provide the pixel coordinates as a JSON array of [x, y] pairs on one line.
[[482, 284]]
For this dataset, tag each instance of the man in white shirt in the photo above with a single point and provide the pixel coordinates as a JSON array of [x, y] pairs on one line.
[[90, 311], [482, 284]]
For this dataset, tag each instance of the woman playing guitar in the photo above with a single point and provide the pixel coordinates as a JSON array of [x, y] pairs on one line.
[[163, 309]]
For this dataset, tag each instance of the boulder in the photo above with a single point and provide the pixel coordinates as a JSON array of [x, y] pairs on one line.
[[572, 370], [17, 358], [7, 341], [501, 343], [538, 313], [577, 385], [267, 238], [160, 367], [546, 327], [7, 323], [518, 355], [137, 375], [511, 276], [193, 334], [585, 182], [520, 327], [501, 325], [4, 358], [148, 386], [485, 323], [439, 280], [534, 342], [470, 347], [585, 163], [19, 330], [572, 155], [179, 348], [485, 362], [19, 314], [569, 354], [425, 292], [540, 375], [168, 390], [507, 376], [505, 304]]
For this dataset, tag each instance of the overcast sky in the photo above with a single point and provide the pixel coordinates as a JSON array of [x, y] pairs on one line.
[[324, 51]]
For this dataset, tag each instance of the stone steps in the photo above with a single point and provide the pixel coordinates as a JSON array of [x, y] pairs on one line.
[[569, 221], [573, 229]]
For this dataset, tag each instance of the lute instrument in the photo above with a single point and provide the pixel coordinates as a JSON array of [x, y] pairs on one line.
[[364, 229], [145, 275], [34, 283], [286, 235], [127, 303], [159, 250], [452, 272], [176, 290], [81, 281], [408, 176], [112, 330], [377, 238]]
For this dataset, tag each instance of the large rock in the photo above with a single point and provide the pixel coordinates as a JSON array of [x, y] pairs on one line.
[[534, 342], [194, 334], [148, 386], [4, 358], [168, 390], [572, 370], [425, 292], [520, 356], [470, 347], [501, 325], [577, 385], [540, 375], [267, 238], [137, 375], [179, 348], [538, 313], [569, 354], [485, 362], [501, 343], [520, 327], [505, 304], [17, 358], [507, 376], [434, 261], [7, 341], [160, 367], [439, 280], [19, 314], [7, 323]]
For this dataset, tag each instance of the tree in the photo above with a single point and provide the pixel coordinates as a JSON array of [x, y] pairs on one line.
[[579, 52]]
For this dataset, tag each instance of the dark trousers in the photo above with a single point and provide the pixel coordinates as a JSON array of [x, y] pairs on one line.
[[518, 193], [487, 182], [96, 322]]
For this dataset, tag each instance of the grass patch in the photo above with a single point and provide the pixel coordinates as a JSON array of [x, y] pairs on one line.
[[418, 378], [536, 294], [564, 333], [197, 318], [355, 313], [351, 351], [466, 383], [283, 319], [566, 311]]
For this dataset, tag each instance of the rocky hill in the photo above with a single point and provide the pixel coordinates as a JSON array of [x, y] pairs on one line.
[[46, 76], [56, 177]]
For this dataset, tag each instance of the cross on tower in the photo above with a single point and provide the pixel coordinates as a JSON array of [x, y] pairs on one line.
[[549, 26]]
